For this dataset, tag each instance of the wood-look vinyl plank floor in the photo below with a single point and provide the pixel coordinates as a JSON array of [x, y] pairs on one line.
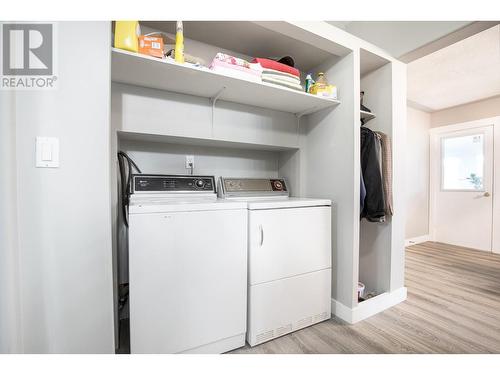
[[453, 306]]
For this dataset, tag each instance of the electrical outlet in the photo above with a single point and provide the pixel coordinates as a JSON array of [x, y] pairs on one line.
[[189, 161]]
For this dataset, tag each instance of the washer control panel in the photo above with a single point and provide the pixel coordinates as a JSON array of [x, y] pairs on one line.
[[146, 183], [247, 187]]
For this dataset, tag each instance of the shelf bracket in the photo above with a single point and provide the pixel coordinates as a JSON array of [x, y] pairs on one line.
[[298, 116], [298, 128], [306, 112], [213, 101]]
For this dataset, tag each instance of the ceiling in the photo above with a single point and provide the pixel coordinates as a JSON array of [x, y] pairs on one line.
[[400, 37], [464, 72]]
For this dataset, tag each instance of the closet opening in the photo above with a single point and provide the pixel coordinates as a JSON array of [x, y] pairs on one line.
[[375, 242]]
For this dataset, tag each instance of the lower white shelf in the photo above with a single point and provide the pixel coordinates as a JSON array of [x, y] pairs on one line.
[[208, 142]]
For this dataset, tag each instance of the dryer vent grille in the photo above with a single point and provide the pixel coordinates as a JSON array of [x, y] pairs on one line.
[[283, 330], [304, 322], [264, 336], [321, 317]]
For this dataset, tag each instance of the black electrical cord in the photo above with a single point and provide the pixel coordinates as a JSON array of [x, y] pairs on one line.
[[126, 166]]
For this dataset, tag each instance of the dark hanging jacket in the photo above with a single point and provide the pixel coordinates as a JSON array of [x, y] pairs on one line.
[[374, 204]]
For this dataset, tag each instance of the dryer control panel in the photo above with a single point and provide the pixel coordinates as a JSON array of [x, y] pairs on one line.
[[149, 183], [253, 187]]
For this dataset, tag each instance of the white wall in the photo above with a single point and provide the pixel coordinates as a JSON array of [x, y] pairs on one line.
[[467, 112], [10, 309], [417, 173], [148, 111], [63, 214], [418, 163], [167, 158], [495, 122]]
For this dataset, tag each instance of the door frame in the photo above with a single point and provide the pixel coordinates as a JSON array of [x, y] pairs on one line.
[[435, 166]]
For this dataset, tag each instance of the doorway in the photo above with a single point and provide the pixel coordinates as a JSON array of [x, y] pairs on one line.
[[461, 183]]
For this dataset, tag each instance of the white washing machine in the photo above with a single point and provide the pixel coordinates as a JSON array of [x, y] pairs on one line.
[[289, 257], [187, 265]]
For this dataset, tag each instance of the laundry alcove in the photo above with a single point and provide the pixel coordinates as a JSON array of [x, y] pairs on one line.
[[162, 112]]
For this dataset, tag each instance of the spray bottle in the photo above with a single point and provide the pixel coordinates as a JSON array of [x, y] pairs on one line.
[[179, 43], [309, 82]]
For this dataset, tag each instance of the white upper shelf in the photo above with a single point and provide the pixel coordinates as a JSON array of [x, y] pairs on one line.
[[367, 115], [141, 70]]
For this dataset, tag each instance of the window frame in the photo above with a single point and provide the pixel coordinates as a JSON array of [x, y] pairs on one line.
[[441, 149]]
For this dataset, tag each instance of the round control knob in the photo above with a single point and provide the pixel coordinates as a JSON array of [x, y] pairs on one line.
[[200, 183], [278, 185]]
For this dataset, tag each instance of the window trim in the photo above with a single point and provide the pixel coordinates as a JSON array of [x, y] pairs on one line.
[[441, 146]]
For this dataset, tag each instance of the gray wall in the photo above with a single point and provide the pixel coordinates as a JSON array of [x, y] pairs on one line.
[[63, 214]]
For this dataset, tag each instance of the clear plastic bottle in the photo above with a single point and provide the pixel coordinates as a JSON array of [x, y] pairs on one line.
[[322, 88], [322, 80]]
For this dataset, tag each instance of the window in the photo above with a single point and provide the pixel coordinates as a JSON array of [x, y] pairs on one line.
[[462, 162]]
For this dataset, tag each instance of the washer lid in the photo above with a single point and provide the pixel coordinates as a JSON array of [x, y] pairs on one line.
[[263, 204]]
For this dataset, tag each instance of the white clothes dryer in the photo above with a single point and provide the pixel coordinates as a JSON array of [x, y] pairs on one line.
[[289, 257]]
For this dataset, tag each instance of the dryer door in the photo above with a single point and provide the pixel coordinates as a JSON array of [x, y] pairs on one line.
[[288, 241]]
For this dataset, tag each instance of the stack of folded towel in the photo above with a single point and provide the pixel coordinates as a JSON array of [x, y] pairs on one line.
[[236, 67], [279, 74]]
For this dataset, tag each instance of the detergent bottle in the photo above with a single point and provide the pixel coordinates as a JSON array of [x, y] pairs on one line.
[[127, 35]]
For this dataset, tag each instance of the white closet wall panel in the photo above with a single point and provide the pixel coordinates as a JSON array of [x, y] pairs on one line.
[[399, 118], [331, 144]]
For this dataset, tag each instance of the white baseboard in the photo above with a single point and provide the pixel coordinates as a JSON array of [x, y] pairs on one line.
[[369, 307], [417, 240]]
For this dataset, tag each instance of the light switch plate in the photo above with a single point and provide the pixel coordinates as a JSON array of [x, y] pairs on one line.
[[47, 152]]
